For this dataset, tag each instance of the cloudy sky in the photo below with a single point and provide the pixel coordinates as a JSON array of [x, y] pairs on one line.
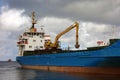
[[98, 19]]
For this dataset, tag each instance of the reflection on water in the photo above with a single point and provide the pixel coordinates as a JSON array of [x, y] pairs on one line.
[[12, 71]]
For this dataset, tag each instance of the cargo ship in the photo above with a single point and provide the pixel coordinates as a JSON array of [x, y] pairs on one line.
[[37, 51]]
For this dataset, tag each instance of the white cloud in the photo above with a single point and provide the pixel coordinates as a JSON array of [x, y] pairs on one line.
[[12, 19], [91, 32], [54, 25]]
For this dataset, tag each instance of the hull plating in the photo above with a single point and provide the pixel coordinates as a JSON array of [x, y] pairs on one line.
[[93, 70], [106, 60]]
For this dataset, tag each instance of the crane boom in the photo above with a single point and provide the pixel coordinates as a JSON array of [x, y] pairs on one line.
[[56, 42], [67, 30]]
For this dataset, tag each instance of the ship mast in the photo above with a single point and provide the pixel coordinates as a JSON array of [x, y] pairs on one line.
[[33, 20], [33, 29]]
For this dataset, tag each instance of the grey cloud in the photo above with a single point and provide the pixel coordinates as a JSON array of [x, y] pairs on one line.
[[101, 11], [41, 7]]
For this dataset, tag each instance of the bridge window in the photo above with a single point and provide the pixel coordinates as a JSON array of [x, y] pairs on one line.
[[41, 46], [30, 46], [34, 40]]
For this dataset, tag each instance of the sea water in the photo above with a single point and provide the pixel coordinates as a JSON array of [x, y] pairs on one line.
[[12, 71]]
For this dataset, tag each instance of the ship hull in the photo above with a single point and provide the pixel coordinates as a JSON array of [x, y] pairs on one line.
[[102, 65], [106, 61]]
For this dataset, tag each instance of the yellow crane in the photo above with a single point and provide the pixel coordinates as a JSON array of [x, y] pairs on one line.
[[55, 45]]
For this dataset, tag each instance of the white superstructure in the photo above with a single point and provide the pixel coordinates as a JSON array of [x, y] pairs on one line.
[[32, 39]]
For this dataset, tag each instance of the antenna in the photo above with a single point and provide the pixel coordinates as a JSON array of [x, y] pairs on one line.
[[33, 19]]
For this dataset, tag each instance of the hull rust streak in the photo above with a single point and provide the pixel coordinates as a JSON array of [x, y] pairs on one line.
[[94, 70]]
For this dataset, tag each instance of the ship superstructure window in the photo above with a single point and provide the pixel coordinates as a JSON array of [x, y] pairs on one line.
[[37, 34], [41, 40], [34, 40], [41, 46], [41, 36], [37, 47], [34, 33], [30, 46], [30, 34], [45, 40]]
